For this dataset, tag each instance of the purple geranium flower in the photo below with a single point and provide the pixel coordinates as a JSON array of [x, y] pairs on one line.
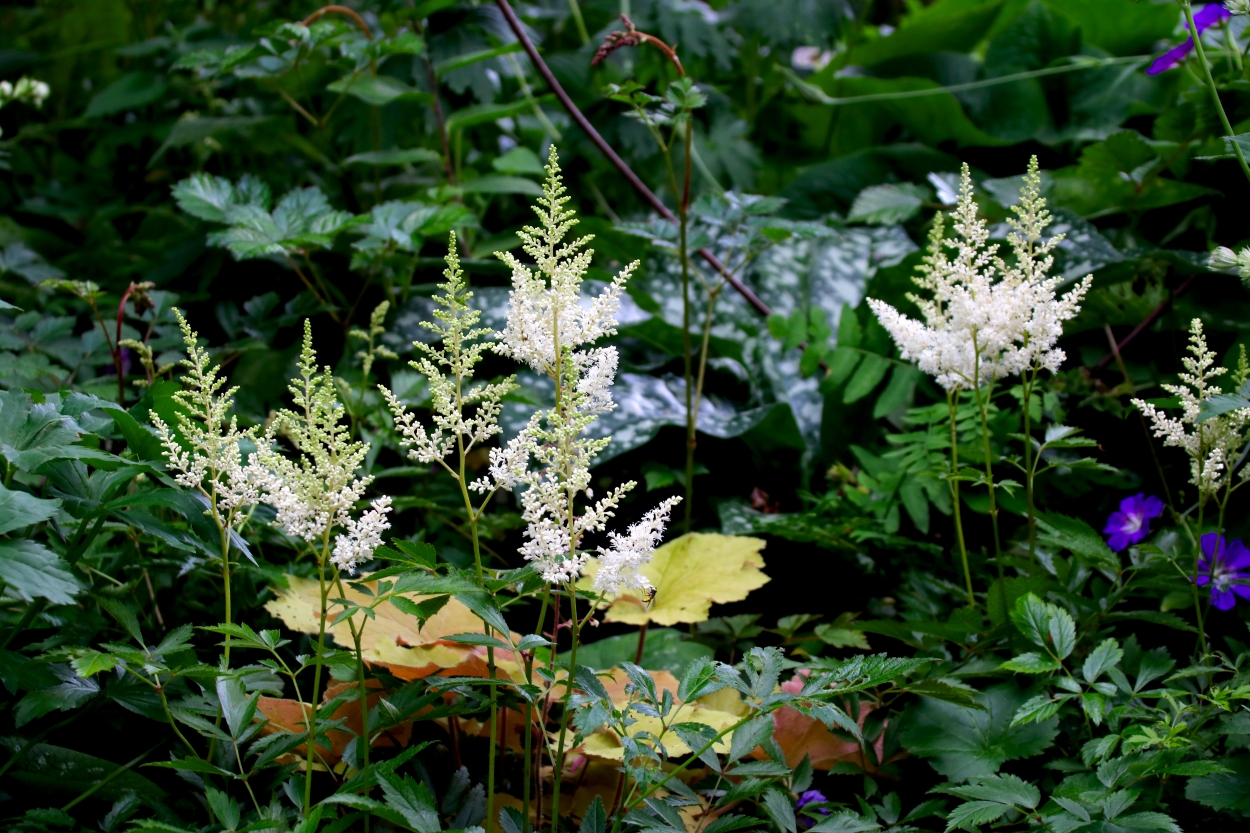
[[1132, 523], [1226, 567], [1206, 17], [811, 797]]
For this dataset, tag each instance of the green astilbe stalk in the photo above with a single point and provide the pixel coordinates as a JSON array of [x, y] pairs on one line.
[[204, 453], [466, 415], [315, 494]]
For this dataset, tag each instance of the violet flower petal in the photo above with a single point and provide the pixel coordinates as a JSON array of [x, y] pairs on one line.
[[1206, 17]]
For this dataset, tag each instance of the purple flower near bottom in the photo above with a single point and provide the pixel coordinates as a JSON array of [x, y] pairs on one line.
[[1131, 524], [1206, 17], [811, 797], [1226, 567]]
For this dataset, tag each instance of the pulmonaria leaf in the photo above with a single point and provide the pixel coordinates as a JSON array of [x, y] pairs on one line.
[[964, 743], [688, 575]]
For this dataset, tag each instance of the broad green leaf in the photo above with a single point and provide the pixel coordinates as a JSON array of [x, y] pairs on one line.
[[67, 773], [482, 113], [1030, 663], [1226, 791], [501, 185], [393, 157], [666, 649], [1079, 537], [130, 92], [888, 204], [192, 128], [870, 372], [519, 161], [962, 743], [1005, 789], [411, 800], [31, 570], [377, 89], [468, 58], [689, 574], [1106, 656], [840, 637], [595, 819], [1032, 618], [93, 662], [1062, 632], [780, 809], [21, 509]]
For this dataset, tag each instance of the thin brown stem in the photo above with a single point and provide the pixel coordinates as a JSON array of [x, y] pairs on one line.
[[598, 141], [346, 12]]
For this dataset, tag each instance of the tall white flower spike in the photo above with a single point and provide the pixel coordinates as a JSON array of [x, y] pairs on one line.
[[985, 319], [552, 327], [316, 493]]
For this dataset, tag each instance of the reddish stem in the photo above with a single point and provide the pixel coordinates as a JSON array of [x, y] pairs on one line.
[[346, 12], [117, 346], [1146, 322], [646, 193]]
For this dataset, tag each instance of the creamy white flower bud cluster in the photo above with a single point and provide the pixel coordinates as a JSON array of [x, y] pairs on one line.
[[985, 318], [1213, 443], [465, 415], [317, 492], [30, 90], [207, 456], [551, 327], [1224, 259], [620, 564]]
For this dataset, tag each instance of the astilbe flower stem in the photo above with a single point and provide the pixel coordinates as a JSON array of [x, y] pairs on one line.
[[986, 318], [211, 461], [952, 405], [1211, 439], [314, 495], [552, 328]]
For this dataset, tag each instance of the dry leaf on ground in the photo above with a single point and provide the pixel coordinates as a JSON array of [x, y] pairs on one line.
[[690, 574]]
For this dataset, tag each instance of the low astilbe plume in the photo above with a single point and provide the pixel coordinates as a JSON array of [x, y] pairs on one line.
[[551, 327], [207, 457], [1213, 442], [984, 318], [316, 492]]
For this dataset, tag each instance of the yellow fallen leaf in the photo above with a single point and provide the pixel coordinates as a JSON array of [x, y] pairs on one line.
[[392, 638], [689, 574], [606, 744]]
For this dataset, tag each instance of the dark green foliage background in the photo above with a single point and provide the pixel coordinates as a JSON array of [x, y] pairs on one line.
[[806, 447]]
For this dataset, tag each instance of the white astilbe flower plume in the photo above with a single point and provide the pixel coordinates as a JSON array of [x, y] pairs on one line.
[[465, 415], [316, 492], [620, 565], [1212, 441], [984, 318], [206, 456], [552, 327]]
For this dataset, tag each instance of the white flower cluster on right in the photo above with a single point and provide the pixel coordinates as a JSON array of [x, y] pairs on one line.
[[985, 318], [1213, 442]]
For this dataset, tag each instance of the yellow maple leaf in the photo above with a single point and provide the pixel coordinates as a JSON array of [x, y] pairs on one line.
[[689, 574]]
